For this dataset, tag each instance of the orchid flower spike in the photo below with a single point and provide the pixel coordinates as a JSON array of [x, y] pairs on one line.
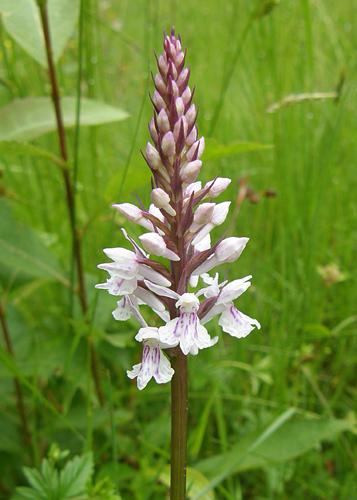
[[176, 248]]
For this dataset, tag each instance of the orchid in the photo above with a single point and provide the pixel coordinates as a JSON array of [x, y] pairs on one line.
[[178, 225]]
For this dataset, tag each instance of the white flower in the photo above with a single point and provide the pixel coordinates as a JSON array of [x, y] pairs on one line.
[[185, 330], [232, 321], [153, 363]]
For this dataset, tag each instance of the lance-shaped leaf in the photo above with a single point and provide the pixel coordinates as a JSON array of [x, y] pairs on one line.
[[22, 21], [31, 117]]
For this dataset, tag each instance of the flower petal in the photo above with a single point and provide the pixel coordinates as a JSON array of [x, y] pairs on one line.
[[236, 323]]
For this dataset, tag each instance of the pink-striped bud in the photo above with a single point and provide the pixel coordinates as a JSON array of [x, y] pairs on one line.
[[152, 157], [168, 144], [190, 171], [179, 58]]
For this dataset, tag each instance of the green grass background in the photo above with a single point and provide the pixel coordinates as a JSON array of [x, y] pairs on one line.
[[305, 354]]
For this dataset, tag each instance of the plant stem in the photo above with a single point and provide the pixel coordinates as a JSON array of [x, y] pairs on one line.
[[68, 186], [18, 389], [178, 425]]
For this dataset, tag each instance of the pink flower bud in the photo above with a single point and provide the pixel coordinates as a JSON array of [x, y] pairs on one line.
[[191, 171], [182, 77], [220, 213], [179, 58], [153, 131], [178, 126], [180, 107], [153, 157], [130, 212], [201, 146], [175, 89], [158, 100], [159, 84], [186, 95], [163, 64], [155, 244], [230, 249], [203, 213], [178, 46], [162, 200], [168, 144], [221, 183], [163, 121], [192, 137], [191, 115]]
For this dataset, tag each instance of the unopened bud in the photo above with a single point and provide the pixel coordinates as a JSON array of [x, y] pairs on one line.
[[168, 144], [203, 213], [162, 200], [155, 244], [230, 249], [153, 131], [191, 115], [175, 88], [152, 157], [163, 121], [182, 77], [180, 106], [158, 100], [220, 213], [159, 84], [191, 152], [181, 122], [163, 63], [179, 58], [220, 184], [192, 137], [190, 172], [186, 95]]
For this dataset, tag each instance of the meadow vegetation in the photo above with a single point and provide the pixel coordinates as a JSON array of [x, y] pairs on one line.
[[271, 416]]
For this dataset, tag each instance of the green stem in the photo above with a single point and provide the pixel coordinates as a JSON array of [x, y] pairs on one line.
[[178, 425]]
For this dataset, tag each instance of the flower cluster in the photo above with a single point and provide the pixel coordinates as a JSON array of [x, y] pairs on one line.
[[179, 222]]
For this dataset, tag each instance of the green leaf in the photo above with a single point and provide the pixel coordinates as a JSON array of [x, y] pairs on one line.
[[36, 480], [22, 249], [25, 119], [74, 476], [291, 439], [214, 150], [196, 481], [22, 21]]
